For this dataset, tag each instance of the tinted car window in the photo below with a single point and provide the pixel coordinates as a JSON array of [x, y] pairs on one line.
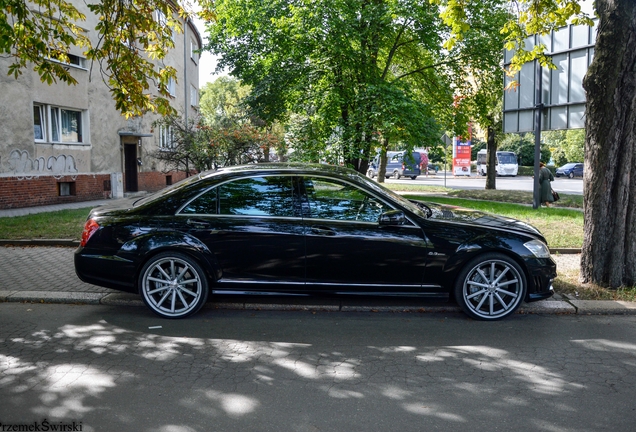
[[334, 200], [204, 204], [258, 196]]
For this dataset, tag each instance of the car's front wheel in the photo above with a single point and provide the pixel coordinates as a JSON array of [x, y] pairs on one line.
[[396, 175], [173, 285], [490, 287], [571, 175]]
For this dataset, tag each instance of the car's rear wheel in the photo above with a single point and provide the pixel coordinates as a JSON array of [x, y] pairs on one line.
[[173, 285], [396, 175], [370, 173], [571, 175], [490, 287]]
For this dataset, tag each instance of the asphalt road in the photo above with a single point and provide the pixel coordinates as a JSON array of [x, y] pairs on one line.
[[522, 183], [123, 369]]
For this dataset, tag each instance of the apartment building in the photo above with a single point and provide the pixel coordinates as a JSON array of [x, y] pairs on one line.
[[66, 143]]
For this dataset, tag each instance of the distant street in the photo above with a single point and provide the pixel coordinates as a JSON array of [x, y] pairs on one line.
[[522, 183], [123, 369]]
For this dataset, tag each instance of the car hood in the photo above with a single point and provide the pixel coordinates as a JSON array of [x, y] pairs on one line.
[[476, 217]]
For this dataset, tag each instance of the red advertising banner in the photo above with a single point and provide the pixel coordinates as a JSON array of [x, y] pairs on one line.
[[461, 157]]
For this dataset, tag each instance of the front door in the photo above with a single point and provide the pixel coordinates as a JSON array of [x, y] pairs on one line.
[[130, 167], [349, 252]]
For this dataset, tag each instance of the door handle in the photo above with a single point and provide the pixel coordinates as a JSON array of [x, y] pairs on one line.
[[197, 223], [323, 231]]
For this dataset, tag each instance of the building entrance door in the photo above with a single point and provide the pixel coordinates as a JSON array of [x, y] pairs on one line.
[[130, 166]]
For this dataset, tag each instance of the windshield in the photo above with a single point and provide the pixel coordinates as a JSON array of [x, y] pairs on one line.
[[397, 197], [507, 158], [568, 166]]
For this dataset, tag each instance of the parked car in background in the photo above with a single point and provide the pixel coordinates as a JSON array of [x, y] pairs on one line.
[[571, 170], [398, 164], [299, 230]]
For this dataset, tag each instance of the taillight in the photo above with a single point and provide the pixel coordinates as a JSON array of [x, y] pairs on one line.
[[89, 229]]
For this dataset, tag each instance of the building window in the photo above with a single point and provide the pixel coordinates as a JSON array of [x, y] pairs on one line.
[[166, 138], [75, 60], [66, 188], [39, 125], [71, 59], [194, 55], [194, 96], [172, 86], [57, 124], [161, 19]]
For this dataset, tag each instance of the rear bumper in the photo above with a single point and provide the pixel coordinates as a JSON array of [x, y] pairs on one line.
[[106, 271]]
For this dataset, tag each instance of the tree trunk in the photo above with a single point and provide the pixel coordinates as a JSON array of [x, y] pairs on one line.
[[609, 243], [491, 146]]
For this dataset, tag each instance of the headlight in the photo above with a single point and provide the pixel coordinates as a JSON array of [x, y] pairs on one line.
[[538, 248]]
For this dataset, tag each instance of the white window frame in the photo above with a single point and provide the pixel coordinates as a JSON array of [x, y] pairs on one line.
[[193, 51], [172, 86], [166, 138], [52, 127], [42, 126], [194, 96]]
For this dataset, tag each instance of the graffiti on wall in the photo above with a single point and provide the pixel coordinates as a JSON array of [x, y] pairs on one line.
[[22, 165]]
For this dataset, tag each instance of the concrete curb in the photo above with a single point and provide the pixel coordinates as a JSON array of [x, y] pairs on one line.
[[550, 306], [41, 242]]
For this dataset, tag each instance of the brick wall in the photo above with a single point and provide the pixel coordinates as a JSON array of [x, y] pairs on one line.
[[153, 181], [16, 192]]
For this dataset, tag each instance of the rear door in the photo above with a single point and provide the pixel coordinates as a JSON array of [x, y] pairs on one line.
[[254, 227], [348, 251]]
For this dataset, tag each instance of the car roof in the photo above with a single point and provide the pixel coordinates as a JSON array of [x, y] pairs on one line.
[[281, 167]]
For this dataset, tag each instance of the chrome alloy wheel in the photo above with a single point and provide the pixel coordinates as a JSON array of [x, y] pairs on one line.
[[492, 289], [173, 285]]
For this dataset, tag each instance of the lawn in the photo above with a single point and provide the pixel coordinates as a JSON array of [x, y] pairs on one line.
[[64, 224]]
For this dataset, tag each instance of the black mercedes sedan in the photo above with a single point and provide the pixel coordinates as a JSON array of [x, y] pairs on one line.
[[297, 229]]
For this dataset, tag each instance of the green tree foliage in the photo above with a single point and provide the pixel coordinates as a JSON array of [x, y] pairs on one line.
[[237, 144], [229, 133], [128, 45], [523, 146], [357, 73], [186, 145], [222, 101], [569, 146]]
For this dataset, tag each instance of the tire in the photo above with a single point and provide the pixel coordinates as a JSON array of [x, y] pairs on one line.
[[413, 177], [571, 175], [173, 285], [370, 173], [396, 175], [490, 287]]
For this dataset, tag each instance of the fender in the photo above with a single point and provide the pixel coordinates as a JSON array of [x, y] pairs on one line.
[[152, 243]]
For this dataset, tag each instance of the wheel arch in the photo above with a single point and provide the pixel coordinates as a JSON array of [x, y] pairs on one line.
[[466, 254], [152, 245]]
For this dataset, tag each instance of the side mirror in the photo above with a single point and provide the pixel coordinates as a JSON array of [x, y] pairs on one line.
[[392, 217]]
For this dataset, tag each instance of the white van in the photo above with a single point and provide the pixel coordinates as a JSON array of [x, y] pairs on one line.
[[505, 163]]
